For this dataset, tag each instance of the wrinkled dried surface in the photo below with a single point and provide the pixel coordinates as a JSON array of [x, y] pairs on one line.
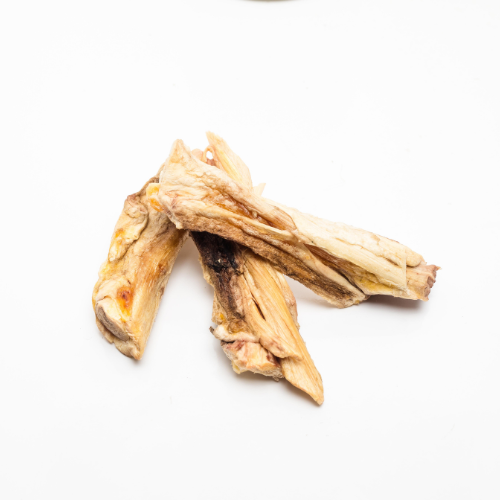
[[254, 309], [340, 263], [373, 263], [253, 304], [131, 282]]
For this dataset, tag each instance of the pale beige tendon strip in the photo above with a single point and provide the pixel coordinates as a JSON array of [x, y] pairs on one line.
[[341, 263], [131, 282], [254, 308], [375, 264], [272, 292]]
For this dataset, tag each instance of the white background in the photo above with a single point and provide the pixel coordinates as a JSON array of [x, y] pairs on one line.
[[381, 114]]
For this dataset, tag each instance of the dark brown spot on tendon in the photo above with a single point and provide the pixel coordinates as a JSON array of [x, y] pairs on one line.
[[216, 252], [221, 258]]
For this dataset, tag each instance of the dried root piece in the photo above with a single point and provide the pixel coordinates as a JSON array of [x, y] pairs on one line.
[[254, 308], [340, 263], [131, 282]]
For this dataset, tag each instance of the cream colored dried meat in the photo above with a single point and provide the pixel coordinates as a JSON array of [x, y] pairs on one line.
[[254, 309], [131, 282], [340, 263], [253, 304]]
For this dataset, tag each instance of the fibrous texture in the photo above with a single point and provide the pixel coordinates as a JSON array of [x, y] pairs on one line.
[[254, 308], [131, 282], [341, 263], [246, 243]]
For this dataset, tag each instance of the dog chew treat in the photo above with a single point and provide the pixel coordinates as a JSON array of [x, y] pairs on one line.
[[131, 282], [342, 264], [254, 309]]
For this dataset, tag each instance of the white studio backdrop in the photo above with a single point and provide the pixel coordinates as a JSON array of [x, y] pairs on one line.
[[383, 115]]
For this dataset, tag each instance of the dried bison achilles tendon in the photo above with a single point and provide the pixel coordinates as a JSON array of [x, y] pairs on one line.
[[131, 282], [222, 265], [341, 263], [246, 243], [254, 309]]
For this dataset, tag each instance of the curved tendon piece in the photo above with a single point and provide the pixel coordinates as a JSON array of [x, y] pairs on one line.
[[255, 314], [341, 263], [143, 250], [254, 309]]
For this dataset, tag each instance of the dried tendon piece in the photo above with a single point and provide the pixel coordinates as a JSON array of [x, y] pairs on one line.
[[340, 263], [254, 309], [255, 314], [126, 297]]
